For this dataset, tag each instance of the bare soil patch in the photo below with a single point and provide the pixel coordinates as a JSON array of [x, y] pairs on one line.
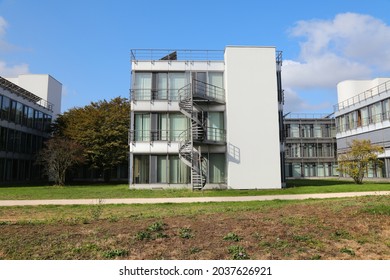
[[329, 229]]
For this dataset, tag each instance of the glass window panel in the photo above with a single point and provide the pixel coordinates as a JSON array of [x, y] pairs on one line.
[[364, 115], [5, 108], [217, 168], [142, 86], [163, 126], [176, 82], [162, 169], [178, 123], [162, 85], [296, 170], [215, 126], [12, 111], [19, 113], [3, 138], [320, 170], [178, 171], [216, 79], [386, 109], [141, 169], [317, 131], [142, 127], [294, 128]]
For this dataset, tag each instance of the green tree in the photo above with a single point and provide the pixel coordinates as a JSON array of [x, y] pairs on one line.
[[358, 158], [102, 129], [58, 156]]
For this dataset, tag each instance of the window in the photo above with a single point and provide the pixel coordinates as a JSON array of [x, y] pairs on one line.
[[177, 80], [19, 113], [364, 116], [159, 126], [3, 138], [386, 109], [162, 86], [5, 108], [294, 130], [217, 168], [375, 111], [307, 130], [178, 125], [317, 131], [141, 169], [215, 126], [142, 86], [216, 88], [12, 115], [162, 169], [142, 127], [179, 173]]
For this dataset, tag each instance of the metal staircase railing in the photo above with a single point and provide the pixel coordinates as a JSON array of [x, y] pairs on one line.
[[189, 96]]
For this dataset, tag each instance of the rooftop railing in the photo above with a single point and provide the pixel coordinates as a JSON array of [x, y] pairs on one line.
[[183, 55], [17, 90], [378, 90], [308, 116]]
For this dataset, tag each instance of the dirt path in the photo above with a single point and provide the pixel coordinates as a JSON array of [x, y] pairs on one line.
[[186, 199]]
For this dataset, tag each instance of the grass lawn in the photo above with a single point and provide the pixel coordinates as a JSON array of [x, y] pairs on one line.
[[345, 228], [122, 191]]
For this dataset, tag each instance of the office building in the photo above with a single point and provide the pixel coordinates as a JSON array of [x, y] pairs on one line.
[[206, 119], [363, 112], [310, 145]]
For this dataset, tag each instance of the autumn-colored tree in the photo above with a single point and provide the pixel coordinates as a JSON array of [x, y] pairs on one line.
[[102, 129], [57, 156], [358, 158]]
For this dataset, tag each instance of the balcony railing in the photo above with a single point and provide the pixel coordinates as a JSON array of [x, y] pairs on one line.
[[154, 94], [200, 89], [213, 134], [378, 90], [354, 124]]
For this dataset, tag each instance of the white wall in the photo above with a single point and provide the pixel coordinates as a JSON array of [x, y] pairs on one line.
[[253, 157], [350, 88]]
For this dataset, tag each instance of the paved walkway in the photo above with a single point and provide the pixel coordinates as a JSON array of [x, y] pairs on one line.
[[186, 199]]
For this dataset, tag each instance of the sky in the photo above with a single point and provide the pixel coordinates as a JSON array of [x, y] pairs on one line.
[[85, 44]]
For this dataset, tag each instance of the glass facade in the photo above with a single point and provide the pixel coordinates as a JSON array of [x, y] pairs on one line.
[[174, 126], [310, 147], [23, 130], [371, 114], [169, 169]]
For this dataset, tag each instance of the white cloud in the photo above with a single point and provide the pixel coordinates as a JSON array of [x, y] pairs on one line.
[[12, 71], [5, 69], [3, 25], [349, 46], [294, 103]]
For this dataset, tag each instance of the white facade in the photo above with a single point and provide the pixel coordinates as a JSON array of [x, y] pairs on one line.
[[195, 121], [44, 86], [252, 119], [363, 112]]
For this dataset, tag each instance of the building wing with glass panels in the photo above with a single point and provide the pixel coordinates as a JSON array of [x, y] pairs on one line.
[[194, 119], [363, 112], [24, 123], [310, 145]]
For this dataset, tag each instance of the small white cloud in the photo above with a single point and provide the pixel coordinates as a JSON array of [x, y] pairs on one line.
[[5, 69], [294, 103], [3, 25], [13, 71]]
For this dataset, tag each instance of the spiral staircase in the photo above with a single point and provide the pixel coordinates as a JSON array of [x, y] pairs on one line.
[[190, 98]]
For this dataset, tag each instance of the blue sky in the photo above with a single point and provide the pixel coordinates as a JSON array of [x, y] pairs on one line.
[[85, 44]]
